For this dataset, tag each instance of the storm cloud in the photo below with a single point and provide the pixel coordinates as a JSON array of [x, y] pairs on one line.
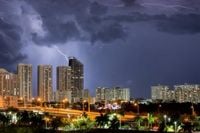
[[151, 38], [10, 43], [92, 21], [180, 24]]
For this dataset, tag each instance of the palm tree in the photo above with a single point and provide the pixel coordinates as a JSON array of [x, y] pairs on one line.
[[23, 118], [187, 127], [114, 122], [4, 119], [83, 123], [102, 120], [151, 120], [56, 122], [138, 120], [84, 114], [36, 120]]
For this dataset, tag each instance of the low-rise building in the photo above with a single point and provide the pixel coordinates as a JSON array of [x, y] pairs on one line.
[[8, 101], [112, 94], [180, 93], [61, 95]]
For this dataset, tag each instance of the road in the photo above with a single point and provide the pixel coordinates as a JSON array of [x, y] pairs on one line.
[[67, 112]]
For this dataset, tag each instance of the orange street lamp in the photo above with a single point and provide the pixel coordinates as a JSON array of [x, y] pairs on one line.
[[39, 101], [21, 101], [64, 102], [84, 105], [21, 98], [138, 108]]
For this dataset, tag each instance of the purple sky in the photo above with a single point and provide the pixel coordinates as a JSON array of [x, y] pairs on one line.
[[127, 43]]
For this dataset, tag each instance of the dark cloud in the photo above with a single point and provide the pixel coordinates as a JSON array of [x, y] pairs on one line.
[[109, 33], [61, 25], [99, 23], [10, 44], [150, 56], [97, 9], [177, 23], [180, 24], [128, 2], [131, 18], [56, 8], [58, 19], [58, 33]]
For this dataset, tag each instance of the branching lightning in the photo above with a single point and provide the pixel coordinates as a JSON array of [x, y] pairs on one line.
[[166, 6], [60, 52]]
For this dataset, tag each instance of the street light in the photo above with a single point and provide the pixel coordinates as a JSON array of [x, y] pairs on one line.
[[89, 103], [138, 108], [21, 101], [120, 122], [175, 126], [165, 117], [64, 102], [39, 101], [32, 101], [46, 121], [21, 98], [84, 105], [159, 108], [169, 119], [192, 107]]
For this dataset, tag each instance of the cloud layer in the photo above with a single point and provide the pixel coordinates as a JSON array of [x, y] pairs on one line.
[[137, 30]]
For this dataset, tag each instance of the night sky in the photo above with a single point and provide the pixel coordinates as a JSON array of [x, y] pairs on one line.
[[127, 43]]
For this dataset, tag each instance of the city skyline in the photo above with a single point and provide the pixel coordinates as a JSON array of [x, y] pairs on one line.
[[129, 43], [68, 78], [12, 84]]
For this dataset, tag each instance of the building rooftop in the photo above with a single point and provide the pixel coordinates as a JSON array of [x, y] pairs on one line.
[[2, 70]]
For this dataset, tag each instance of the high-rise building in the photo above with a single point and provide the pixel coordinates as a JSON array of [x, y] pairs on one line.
[[187, 93], [112, 94], [160, 92], [119, 93], [8, 83], [101, 93], [63, 83], [180, 93], [45, 88], [25, 81], [63, 78], [63, 95], [77, 81], [85, 94]]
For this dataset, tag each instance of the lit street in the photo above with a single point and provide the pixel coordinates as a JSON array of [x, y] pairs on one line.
[[67, 112]]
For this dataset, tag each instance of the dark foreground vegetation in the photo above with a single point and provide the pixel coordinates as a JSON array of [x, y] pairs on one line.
[[149, 117], [40, 130]]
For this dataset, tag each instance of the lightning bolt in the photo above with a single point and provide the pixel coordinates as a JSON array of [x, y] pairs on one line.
[[166, 6], [60, 52]]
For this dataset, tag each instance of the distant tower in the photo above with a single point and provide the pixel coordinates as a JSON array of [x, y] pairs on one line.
[[63, 78], [77, 81], [63, 83], [25, 81], [45, 82], [8, 83]]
